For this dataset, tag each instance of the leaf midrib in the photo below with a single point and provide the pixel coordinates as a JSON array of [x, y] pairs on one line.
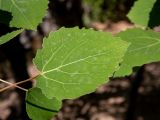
[[148, 46], [76, 61], [58, 49]]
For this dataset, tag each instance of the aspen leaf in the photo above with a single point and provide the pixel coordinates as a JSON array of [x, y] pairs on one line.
[[75, 62]]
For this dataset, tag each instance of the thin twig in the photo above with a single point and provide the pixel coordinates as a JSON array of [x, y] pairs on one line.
[[18, 83], [9, 83], [29, 79]]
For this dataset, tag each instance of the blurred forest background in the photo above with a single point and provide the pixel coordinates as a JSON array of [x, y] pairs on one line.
[[135, 97]]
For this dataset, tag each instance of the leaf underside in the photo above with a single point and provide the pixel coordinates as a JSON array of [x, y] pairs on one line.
[[26, 14], [39, 107], [144, 48], [75, 62]]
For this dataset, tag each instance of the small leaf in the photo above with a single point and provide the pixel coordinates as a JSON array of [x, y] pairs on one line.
[[9, 36], [26, 14], [75, 62], [39, 107], [140, 12], [144, 48]]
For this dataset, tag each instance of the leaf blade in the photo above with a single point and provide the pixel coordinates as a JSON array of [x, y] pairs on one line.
[[39, 107], [29, 13], [78, 61], [144, 49], [9, 36], [141, 15]]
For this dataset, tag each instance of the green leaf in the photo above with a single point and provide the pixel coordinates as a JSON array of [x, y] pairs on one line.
[[39, 107], [144, 48], [26, 13], [75, 62], [140, 12], [9, 36]]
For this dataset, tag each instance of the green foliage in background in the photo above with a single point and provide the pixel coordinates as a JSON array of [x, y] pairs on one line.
[[102, 10]]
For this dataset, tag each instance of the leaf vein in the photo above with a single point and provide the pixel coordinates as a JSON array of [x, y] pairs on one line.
[[21, 13], [150, 45], [83, 42], [58, 49], [76, 61]]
